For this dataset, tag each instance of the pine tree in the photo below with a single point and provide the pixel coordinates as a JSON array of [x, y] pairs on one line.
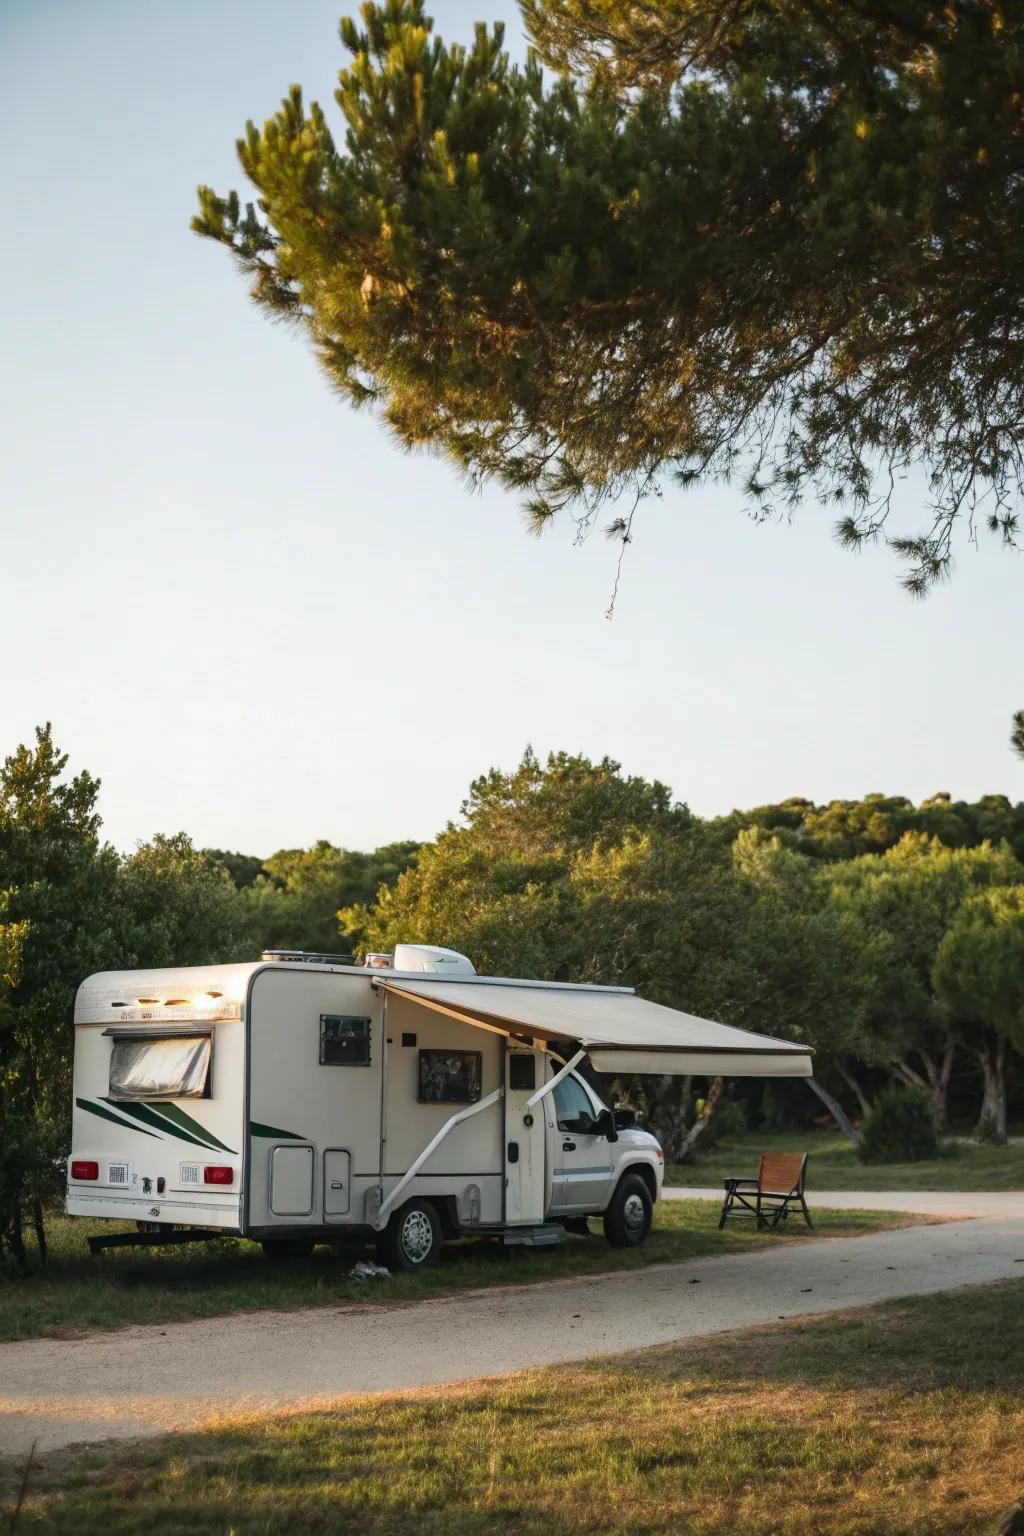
[[1017, 733], [768, 240]]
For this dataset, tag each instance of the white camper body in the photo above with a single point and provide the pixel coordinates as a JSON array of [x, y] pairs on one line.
[[302, 1099]]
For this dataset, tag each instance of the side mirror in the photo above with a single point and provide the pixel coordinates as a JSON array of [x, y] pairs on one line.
[[604, 1125]]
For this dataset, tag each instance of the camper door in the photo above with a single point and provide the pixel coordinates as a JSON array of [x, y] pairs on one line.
[[524, 1137]]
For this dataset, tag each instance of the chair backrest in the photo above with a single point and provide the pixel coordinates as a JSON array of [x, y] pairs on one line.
[[782, 1173]]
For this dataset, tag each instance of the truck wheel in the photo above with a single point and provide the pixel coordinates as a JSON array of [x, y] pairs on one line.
[[412, 1238], [281, 1248], [627, 1220]]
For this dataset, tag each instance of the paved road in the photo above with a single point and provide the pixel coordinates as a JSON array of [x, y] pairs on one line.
[[928, 1202], [140, 1381]]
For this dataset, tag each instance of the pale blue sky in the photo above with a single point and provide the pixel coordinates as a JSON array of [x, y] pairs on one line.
[[257, 620]]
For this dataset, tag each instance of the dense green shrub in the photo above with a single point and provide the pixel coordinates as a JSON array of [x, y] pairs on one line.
[[731, 1118], [899, 1128], [775, 1112]]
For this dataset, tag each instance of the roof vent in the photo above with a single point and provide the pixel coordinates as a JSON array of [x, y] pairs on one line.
[[432, 960]]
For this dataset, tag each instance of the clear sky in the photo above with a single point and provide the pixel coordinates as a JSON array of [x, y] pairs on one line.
[[259, 621]]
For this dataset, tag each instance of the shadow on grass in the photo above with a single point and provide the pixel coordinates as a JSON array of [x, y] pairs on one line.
[[75, 1292]]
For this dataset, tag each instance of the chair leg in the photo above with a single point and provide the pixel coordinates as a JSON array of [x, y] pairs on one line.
[[807, 1214]]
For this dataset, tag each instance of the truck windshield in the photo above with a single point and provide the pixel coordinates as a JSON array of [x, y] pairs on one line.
[[160, 1067]]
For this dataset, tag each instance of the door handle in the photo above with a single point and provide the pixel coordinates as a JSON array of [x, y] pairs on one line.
[[337, 1184], [568, 1146]]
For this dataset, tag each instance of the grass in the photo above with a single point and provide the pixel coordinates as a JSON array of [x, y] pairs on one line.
[[75, 1292], [834, 1165], [899, 1420]]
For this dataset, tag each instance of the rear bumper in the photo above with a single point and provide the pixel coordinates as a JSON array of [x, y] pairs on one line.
[[223, 1212]]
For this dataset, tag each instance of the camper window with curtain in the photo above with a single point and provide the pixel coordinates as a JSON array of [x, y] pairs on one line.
[[450, 1077], [160, 1067]]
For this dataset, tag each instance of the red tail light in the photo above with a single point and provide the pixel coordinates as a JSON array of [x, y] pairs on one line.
[[218, 1174], [83, 1169]]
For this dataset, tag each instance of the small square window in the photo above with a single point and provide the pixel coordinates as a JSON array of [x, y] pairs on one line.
[[522, 1072], [344, 1041], [450, 1077]]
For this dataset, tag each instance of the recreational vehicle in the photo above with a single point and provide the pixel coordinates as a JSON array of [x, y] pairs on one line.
[[300, 1099]]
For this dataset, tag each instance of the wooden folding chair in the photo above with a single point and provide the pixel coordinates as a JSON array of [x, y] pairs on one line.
[[779, 1185]]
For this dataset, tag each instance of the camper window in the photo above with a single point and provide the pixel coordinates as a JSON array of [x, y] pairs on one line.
[[450, 1077], [160, 1067], [344, 1041], [522, 1073]]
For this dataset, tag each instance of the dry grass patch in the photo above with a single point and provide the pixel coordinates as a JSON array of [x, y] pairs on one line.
[[897, 1421]]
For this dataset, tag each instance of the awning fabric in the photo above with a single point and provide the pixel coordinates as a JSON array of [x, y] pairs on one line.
[[620, 1031]]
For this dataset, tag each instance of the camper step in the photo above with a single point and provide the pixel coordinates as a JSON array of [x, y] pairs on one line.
[[532, 1237]]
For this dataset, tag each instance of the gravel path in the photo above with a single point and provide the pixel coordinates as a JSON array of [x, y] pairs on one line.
[[146, 1380]]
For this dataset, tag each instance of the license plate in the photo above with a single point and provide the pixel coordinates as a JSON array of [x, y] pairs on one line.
[[117, 1173]]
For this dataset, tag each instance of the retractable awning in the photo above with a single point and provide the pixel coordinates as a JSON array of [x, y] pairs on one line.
[[619, 1031]]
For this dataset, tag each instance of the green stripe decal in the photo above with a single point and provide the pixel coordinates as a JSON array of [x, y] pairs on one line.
[[104, 1114], [167, 1118], [149, 1116], [178, 1117], [272, 1131]]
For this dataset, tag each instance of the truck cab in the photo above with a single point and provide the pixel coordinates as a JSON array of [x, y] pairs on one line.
[[588, 1166]]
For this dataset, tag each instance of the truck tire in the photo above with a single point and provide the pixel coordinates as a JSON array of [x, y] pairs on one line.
[[280, 1248], [412, 1238], [627, 1220]]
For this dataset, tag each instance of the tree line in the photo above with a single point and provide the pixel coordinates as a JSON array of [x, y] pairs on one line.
[[887, 935]]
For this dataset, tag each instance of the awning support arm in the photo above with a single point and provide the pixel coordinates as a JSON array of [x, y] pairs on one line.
[[414, 1167], [553, 1082]]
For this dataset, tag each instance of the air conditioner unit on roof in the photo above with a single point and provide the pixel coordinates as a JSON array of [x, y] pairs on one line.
[[432, 960]]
